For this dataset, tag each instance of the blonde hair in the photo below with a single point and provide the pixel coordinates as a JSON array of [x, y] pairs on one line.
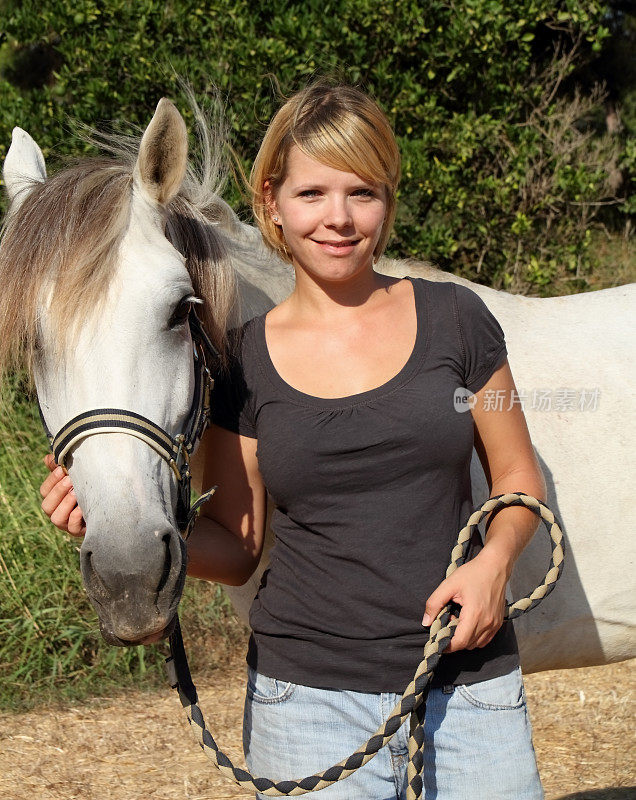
[[339, 126]]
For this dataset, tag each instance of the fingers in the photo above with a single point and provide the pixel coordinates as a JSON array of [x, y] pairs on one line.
[[464, 636], [76, 524], [436, 602], [55, 492], [54, 477], [474, 630], [480, 592], [476, 625], [59, 502], [61, 513]]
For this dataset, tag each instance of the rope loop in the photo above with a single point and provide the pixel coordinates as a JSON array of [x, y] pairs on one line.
[[413, 701], [493, 506]]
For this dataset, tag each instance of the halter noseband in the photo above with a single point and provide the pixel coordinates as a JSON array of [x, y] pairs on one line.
[[175, 451]]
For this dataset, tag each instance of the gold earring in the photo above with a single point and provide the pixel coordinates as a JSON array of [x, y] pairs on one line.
[[275, 219]]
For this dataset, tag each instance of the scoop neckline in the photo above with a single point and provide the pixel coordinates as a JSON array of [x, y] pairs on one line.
[[420, 296]]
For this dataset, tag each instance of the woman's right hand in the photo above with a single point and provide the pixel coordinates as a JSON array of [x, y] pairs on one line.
[[59, 502]]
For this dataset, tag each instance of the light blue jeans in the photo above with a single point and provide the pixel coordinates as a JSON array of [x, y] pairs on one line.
[[478, 740]]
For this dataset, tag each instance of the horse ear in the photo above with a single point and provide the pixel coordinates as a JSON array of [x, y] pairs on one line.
[[163, 154], [23, 166]]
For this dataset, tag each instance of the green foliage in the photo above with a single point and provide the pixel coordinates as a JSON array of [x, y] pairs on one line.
[[474, 91]]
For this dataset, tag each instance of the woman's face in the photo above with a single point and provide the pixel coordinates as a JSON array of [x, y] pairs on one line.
[[331, 220]]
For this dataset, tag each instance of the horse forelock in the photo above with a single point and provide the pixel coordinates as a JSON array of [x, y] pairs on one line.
[[65, 238]]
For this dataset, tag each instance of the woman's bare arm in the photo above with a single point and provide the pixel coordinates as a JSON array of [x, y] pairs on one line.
[[504, 448], [503, 444], [227, 539]]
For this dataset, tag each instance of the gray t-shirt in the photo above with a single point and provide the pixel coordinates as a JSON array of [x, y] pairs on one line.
[[370, 492]]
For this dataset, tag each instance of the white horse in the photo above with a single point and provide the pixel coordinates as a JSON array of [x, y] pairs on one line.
[[94, 297]]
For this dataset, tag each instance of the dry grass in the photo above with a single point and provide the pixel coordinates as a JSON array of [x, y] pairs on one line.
[[135, 746], [583, 722], [138, 746]]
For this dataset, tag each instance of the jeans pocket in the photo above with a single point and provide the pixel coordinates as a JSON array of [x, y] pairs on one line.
[[263, 689], [504, 693]]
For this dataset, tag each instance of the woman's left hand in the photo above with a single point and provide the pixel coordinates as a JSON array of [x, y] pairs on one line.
[[479, 587]]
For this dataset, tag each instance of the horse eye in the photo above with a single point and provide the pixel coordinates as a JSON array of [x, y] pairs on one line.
[[180, 313]]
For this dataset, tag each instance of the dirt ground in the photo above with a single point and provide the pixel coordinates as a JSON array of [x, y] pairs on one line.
[[138, 745]]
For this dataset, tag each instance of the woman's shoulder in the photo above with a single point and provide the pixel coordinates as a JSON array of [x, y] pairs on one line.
[[459, 293], [457, 305], [236, 382], [432, 295], [439, 286]]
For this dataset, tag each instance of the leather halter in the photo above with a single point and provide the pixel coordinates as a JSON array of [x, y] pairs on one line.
[[175, 451]]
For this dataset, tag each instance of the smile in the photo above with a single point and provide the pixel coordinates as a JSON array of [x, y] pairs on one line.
[[345, 246], [338, 244]]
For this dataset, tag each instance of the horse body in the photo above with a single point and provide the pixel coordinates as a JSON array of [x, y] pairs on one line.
[[131, 556]]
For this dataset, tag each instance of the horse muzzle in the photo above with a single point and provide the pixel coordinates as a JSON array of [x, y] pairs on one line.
[[111, 638], [135, 595]]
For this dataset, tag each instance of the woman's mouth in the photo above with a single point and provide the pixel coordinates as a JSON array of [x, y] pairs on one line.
[[337, 247]]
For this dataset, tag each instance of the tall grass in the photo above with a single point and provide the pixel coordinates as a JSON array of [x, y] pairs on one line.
[[50, 646]]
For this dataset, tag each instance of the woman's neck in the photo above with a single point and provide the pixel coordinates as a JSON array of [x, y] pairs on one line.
[[329, 301]]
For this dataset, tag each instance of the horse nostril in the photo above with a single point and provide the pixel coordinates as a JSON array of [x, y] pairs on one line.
[[92, 581], [126, 575], [167, 563]]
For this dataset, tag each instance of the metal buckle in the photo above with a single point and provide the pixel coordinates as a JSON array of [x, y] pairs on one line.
[[183, 453]]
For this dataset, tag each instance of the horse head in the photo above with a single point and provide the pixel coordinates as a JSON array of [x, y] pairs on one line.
[[97, 301]]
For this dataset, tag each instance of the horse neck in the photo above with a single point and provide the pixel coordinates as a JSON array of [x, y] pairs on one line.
[[263, 279]]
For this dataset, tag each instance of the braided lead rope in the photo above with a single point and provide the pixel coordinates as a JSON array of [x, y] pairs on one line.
[[412, 703], [557, 543], [458, 556]]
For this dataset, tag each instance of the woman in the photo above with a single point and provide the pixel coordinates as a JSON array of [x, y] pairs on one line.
[[340, 405]]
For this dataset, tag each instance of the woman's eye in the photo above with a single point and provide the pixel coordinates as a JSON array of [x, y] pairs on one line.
[[364, 193], [309, 193], [180, 313]]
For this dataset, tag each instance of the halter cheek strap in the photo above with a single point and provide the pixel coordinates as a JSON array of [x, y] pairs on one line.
[[175, 451]]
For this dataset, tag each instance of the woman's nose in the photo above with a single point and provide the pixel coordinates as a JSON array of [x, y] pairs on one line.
[[337, 214]]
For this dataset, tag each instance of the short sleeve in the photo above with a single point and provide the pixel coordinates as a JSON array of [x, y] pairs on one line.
[[481, 338], [232, 401]]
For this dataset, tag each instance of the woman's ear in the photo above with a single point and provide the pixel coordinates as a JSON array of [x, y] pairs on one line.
[[270, 201]]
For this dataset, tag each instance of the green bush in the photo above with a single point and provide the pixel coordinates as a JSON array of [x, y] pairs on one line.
[[504, 167]]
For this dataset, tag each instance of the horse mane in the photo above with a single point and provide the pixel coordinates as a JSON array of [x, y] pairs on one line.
[[76, 220]]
